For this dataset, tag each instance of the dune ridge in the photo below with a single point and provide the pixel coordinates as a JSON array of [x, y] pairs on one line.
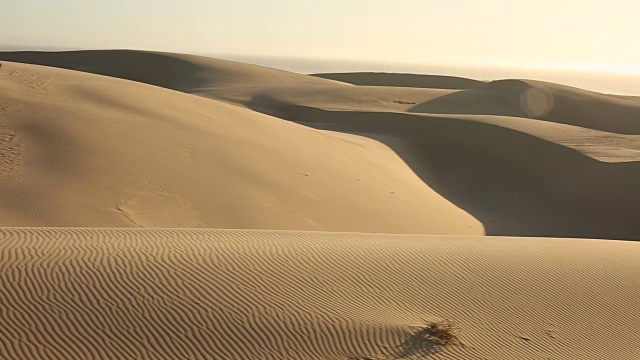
[[522, 184], [182, 72], [116, 153], [229, 294]]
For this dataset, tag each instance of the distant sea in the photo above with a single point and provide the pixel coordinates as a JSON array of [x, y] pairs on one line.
[[604, 82]]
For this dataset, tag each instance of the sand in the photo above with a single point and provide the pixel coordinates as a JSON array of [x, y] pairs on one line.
[[403, 80], [364, 206], [213, 294], [116, 153]]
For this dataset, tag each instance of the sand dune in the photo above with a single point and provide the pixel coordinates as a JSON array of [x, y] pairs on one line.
[[515, 179], [540, 100], [359, 98], [403, 80], [209, 294], [194, 142], [181, 72], [86, 150], [575, 159]]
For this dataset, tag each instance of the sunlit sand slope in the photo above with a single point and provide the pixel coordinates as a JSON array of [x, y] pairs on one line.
[[516, 176], [215, 294], [79, 149]]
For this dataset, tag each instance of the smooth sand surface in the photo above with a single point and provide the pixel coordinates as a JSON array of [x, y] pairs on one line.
[[214, 294], [87, 150], [402, 80], [325, 181], [544, 101], [175, 71]]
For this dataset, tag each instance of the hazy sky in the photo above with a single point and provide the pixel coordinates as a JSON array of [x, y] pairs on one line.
[[568, 33]]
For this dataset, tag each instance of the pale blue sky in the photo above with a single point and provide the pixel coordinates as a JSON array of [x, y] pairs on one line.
[[569, 33]]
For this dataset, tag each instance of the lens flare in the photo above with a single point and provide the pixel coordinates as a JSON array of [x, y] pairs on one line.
[[536, 101]]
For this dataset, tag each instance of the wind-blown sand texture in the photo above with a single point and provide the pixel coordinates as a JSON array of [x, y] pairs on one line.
[[325, 179], [213, 294]]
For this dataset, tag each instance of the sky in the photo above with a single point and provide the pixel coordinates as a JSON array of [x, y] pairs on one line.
[[568, 34]]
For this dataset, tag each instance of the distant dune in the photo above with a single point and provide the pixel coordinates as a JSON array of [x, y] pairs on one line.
[[174, 71], [360, 202], [545, 101], [403, 80]]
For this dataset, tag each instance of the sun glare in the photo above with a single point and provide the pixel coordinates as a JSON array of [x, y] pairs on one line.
[[595, 67]]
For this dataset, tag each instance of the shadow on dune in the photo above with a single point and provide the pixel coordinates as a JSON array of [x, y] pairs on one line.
[[514, 183], [403, 80], [146, 67], [180, 72], [416, 345], [545, 101]]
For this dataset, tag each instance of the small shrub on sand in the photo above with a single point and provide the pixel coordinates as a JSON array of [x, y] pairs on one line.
[[443, 332], [429, 338]]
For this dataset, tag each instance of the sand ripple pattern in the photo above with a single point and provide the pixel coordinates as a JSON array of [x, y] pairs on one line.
[[224, 294]]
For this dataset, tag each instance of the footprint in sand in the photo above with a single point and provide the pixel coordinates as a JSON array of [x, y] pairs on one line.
[[154, 205]]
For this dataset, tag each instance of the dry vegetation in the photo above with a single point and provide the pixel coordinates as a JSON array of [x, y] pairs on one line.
[[443, 332]]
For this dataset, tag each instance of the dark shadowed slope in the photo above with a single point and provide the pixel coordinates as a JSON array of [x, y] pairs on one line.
[[515, 181]]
